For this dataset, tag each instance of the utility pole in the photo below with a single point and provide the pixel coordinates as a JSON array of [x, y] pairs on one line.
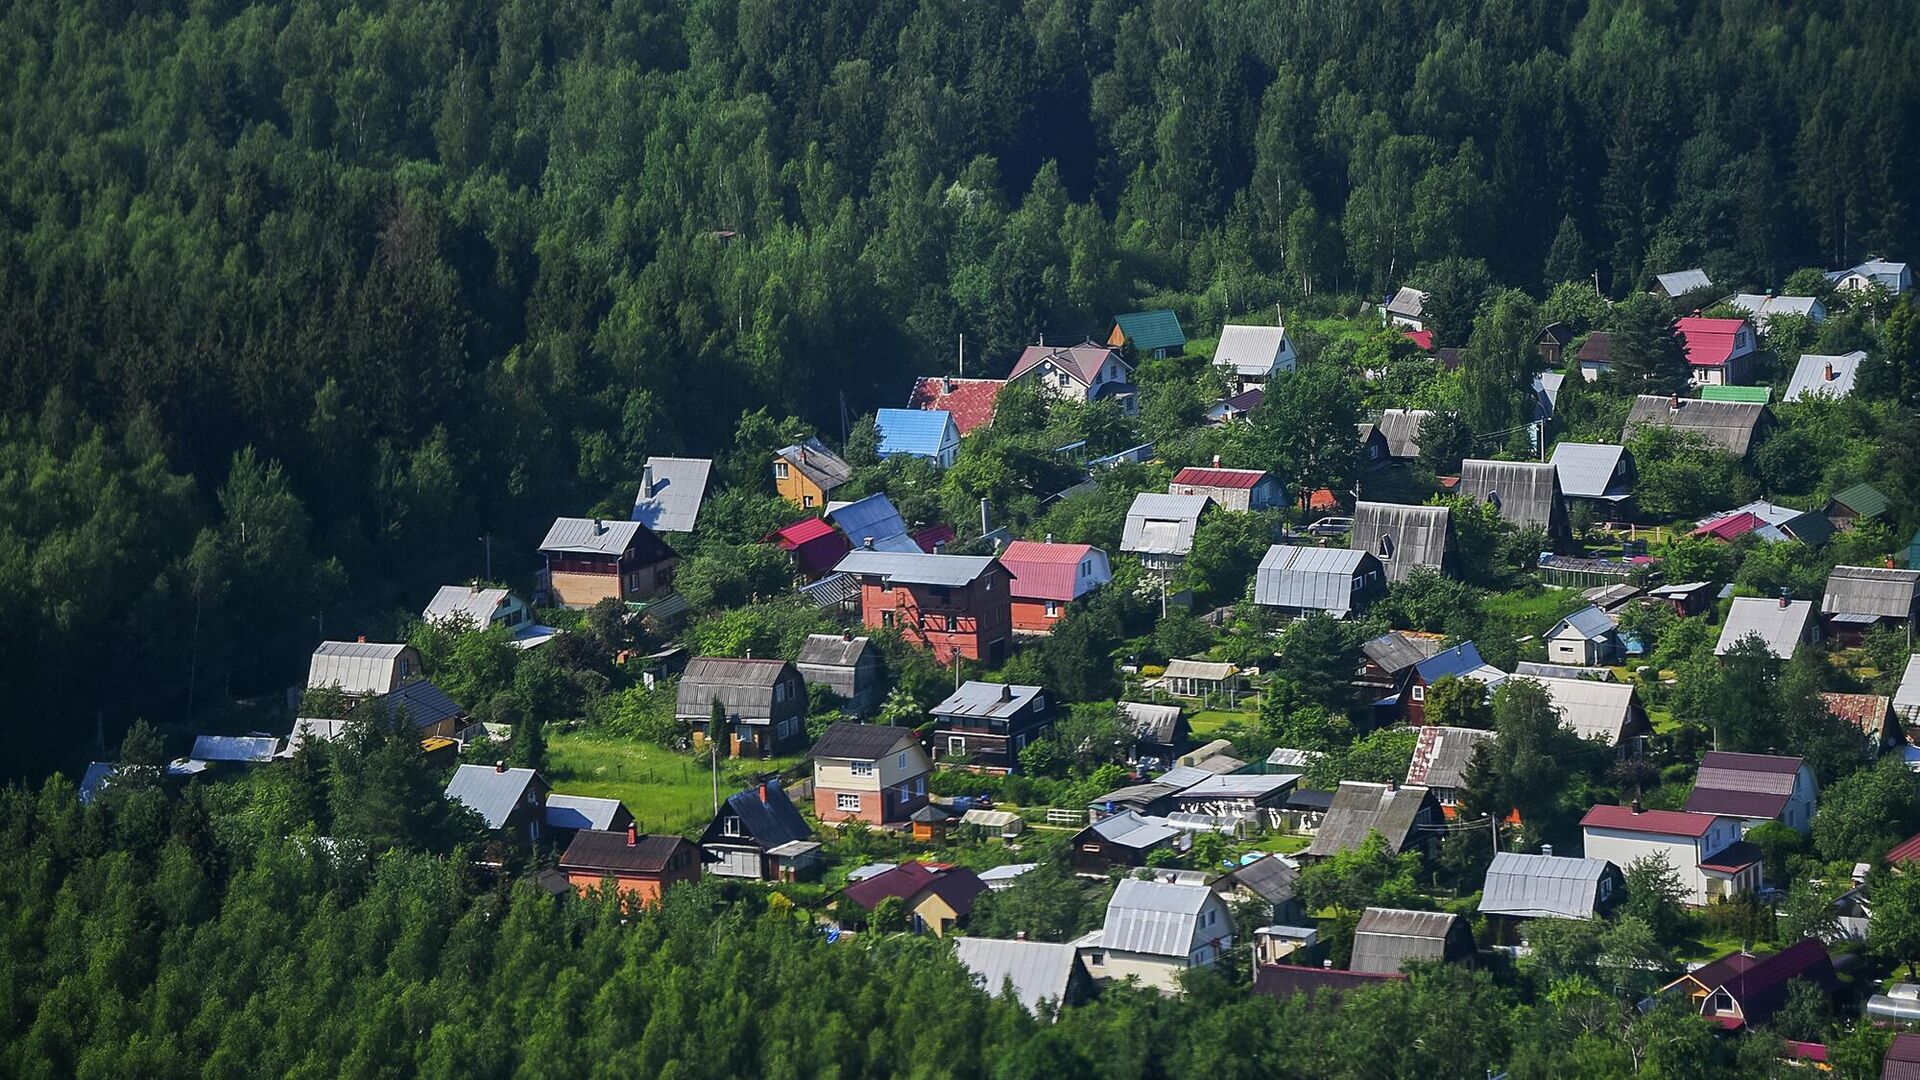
[[488, 541], [963, 356]]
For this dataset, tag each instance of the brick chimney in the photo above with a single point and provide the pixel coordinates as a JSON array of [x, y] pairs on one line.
[[362, 639], [1216, 461], [763, 794], [1635, 806], [633, 835], [500, 766], [1786, 597], [1829, 371]]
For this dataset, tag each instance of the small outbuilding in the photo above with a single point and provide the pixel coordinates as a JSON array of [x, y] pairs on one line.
[[1297, 581], [1386, 939]]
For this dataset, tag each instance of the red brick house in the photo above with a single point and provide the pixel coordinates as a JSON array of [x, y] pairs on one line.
[[641, 867], [952, 604], [1047, 577], [869, 772]]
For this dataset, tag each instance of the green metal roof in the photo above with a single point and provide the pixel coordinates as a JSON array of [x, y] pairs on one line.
[[1863, 499], [1758, 395], [1150, 330]]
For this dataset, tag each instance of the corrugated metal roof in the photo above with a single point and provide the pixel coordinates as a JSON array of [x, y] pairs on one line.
[[1401, 429], [1780, 626], [671, 492], [1360, 808], [582, 812], [1045, 571], [1150, 330], [832, 650], [1906, 700], [1457, 661], [1654, 822], [1133, 830], [1157, 918], [745, 688], [492, 794], [1758, 394], [234, 748], [1397, 650], [1254, 350], [357, 667], [1160, 524], [927, 433], [825, 468], [1871, 590], [1408, 301], [1863, 499], [1213, 476], [1525, 492], [1534, 670], [95, 780], [1158, 723], [592, 536], [1589, 624], [974, 698], [1592, 708], [1766, 306], [916, 567], [1441, 755], [1402, 537], [1239, 786], [1387, 938], [474, 603], [1729, 425], [1543, 886], [1312, 578], [421, 702], [832, 590], [1214, 671], [1681, 282], [873, 516], [1588, 470], [1037, 970]]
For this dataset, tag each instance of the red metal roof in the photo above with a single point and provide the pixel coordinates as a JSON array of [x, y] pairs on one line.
[[1733, 858], [970, 401], [816, 545], [1769, 764], [1045, 571], [792, 536], [1709, 341], [1903, 1059], [1907, 850], [1662, 822], [1221, 478], [1731, 527], [931, 537], [1422, 338]]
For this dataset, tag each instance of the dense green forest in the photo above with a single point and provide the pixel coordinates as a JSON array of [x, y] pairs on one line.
[[299, 301]]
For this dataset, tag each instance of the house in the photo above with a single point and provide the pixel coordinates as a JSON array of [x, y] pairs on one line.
[[1038, 973], [1160, 528], [868, 772], [480, 607], [1403, 537], [1406, 307], [1251, 355], [1595, 355], [1860, 502], [589, 560], [1755, 788], [1781, 625], [1525, 492], [921, 433], [970, 402], [1084, 372], [873, 522], [1732, 426], [1235, 406], [1232, 489], [1903, 1059], [1859, 598], [1160, 733], [1706, 850], [430, 710], [847, 665], [757, 834], [1767, 521], [1155, 334], [1373, 446], [1906, 699], [1552, 342], [639, 868], [1520, 887], [1199, 678], [1440, 759], [234, 749], [671, 492], [1317, 984], [1601, 475], [1255, 798], [363, 668], [1609, 713], [1297, 581], [1155, 930], [1461, 661], [1271, 880], [814, 545], [510, 801], [938, 897], [1124, 839], [1401, 429], [1586, 637], [1048, 577], [988, 724], [807, 473], [1000, 878], [1403, 816], [1719, 351], [1681, 285], [1872, 715], [1387, 939], [1387, 659], [954, 605], [1895, 277], [765, 702], [1741, 990], [1762, 308], [1685, 599]]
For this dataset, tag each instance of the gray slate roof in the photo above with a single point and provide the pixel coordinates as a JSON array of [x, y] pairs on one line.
[[424, 703], [1401, 429], [590, 536], [975, 698], [1129, 829], [1543, 886], [771, 823], [1587, 470], [1270, 877], [1525, 492], [1593, 709], [1906, 700], [832, 650], [1402, 537], [1359, 808], [825, 468], [1810, 375], [743, 687], [917, 568], [1395, 651], [1587, 624], [1310, 578], [1871, 590], [859, 742], [1441, 755], [679, 486], [582, 812], [1160, 524], [1729, 425], [1681, 282], [473, 602], [1156, 918], [1780, 626], [1037, 970], [492, 794], [1387, 938]]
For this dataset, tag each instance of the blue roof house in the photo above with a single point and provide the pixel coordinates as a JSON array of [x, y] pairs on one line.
[[923, 433]]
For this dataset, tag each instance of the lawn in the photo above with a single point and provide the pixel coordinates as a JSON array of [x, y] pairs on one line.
[[1208, 721], [666, 791]]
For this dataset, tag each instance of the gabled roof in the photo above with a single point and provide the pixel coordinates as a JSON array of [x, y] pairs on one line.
[[1283, 981], [1743, 785], [1863, 499], [1592, 708], [1587, 470], [422, 702], [1543, 886], [1397, 650], [95, 780], [1156, 918], [1244, 401], [1238, 479], [1759, 983], [1360, 808], [744, 688], [1083, 361], [815, 545], [671, 492], [1710, 342], [917, 567], [770, 822], [1385, 939], [1880, 271], [1729, 425], [474, 603], [357, 667], [1651, 822], [1458, 660], [1903, 1059], [594, 849], [859, 742], [873, 516], [1587, 624], [1779, 625], [584, 812], [1220, 786], [1767, 306], [1533, 669], [1402, 537], [1047, 571], [832, 650], [1269, 877], [1037, 970], [969, 401], [1906, 700], [1310, 578], [1129, 829], [1408, 301], [956, 885], [915, 432], [597, 536], [491, 792], [1252, 350], [1441, 755], [1401, 429], [1681, 282], [1150, 330], [1867, 712], [1597, 349], [974, 698], [1871, 590], [1162, 524], [234, 748], [1181, 667], [1525, 492], [825, 468]]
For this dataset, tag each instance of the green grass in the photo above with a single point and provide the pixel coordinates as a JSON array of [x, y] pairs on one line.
[[1208, 721], [1282, 843], [1535, 607], [666, 791]]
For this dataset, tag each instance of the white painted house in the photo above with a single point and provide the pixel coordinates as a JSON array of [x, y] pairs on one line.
[[1155, 930], [1706, 850]]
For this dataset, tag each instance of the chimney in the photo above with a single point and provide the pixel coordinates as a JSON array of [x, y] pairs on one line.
[[1392, 787], [1049, 538], [749, 655], [646, 480], [362, 639], [1786, 597], [500, 766], [633, 835], [867, 542], [1635, 805], [598, 527], [763, 794], [1326, 965], [846, 635], [1829, 371], [1006, 691], [1019, 935], [949, 384], [1547, 850]]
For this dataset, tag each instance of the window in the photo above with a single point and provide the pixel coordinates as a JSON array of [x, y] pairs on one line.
[[1419, 693], [863, 768], [847, 802], [901, 762], [953, 623], [1086, 568], [730, 826], [886, 617], [779, 692], [956, 744], [1065, 379], [780, 470], [406, 668], [1095, 848], [806, 500], [1493, 499], [1097, 959], [920, 785], [1039, 702], [1053, 609], [1384, 549]]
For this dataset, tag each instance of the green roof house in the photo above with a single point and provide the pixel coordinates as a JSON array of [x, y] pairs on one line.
[[1758, 395], [1861, 502], [1156, 334]]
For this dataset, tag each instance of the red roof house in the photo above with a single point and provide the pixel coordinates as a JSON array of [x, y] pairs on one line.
[[937, 895], [814, 544], [1903, 1059], [1048, 576], [1742, 990], [1754, 788], [969, 401], [1423, 339], [1718, 350], [1731, 527], [1234, 489], [1906, 851]]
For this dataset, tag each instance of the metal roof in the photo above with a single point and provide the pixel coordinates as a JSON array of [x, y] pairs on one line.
[[474, 603], [95, 780], [1048, 571], [832, 590], [1535, 670], [974, 698], [1871, 590], [1006, 873], [1681, 282], [1758, 394], [1766, 306], [744, 688], [671, 492], [234, 748], [1401, 429], [916, 567], [1216, 477], [927, 433], [1209, 670], [1158, 723], [611, 852], [1457, 661], [1652, 822], [1543, 886], [1239, 786], [1397, 650], [1402, 537], [1863, 499], [1129, 829], [1407, 300], [1593, 709], [491, 793], [1385, 939], [1160, 524], [1150, 330], [969, 401], [1906, 700], [1525, 492], [1780, 626], [1083, 361], [1729, 425], [357, 667], [421, 702], [1156, 918], [873, 516], [859, 742], [832, 650], [1037, 970], [825, 468], [1441, 755], [1589, 624], [1311, 578], [1587, 470], [591, 536], [772, 823], [1254, 350], [1360, 808], [1271, 877], [583, 812]]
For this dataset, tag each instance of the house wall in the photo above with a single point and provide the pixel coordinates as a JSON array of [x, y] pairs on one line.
[[635, 888], [797, 489], [936, 913], [883, 806], [1571, 650], [1030, 616], [1622, 849], [1160, 973], [738, 863], [981, 613], [580, 590]]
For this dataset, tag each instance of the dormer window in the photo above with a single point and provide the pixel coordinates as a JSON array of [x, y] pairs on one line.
[[1384, 547], [1493, 499]]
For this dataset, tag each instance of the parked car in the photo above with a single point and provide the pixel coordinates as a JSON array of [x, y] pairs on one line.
[[1331, 526]]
